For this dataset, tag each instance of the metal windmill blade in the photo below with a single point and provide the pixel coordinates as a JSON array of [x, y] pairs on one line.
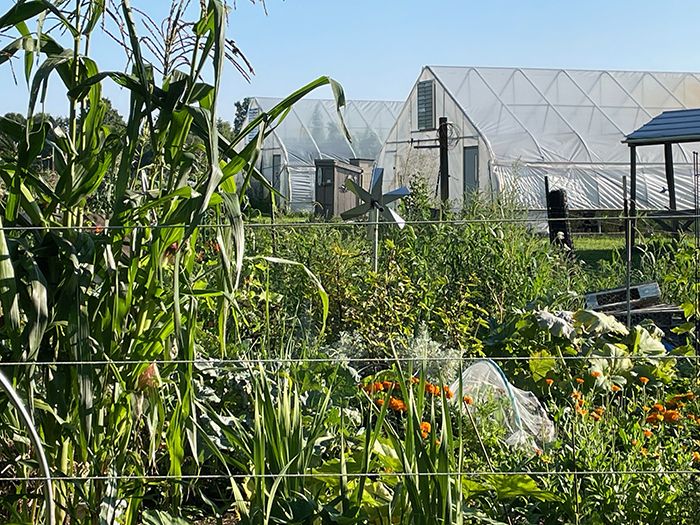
[[374, 200], [375, 203]]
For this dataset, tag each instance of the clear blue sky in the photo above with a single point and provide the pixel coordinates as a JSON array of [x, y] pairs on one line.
[[376, 48]]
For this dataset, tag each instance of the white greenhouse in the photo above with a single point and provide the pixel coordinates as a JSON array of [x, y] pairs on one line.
[[312, 131], [511, 127]]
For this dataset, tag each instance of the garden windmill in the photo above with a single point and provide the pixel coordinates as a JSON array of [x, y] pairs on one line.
[[375, 203]]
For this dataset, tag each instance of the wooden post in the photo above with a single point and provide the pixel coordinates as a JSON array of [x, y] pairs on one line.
[[633, 193], [444, 170], [670, 180]]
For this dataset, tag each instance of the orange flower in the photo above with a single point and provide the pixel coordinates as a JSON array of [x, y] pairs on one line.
[[414, 380], [467, 400], [380, 402], [448, 392], [575, 394], [432, 389], [659, 407], [425, 429], [595, 373], [397, 404], [646, 408], [579, 380], [549, 381], [538, 452], [644, 380], [634, 442], [595, 416], [437, 442], [671, 416], [616, 388], [696, 457], [387, 385], [600, 410], [647, 433]]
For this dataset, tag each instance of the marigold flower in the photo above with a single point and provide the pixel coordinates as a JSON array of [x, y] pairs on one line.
[[600, 410], [425, 429], [659, 407], [380, 402], [644, 380], [414, 380], [575, 394], [579, 380], [595, 416], [538, 452], [616, 388], [397, 404], [549, 381], [437, 442], [595, 373], [696, 457], [448, 392], [646, 408], [387, 385], [467, 400], [647, 433], [643, 451], [634, 442], [671, 416]]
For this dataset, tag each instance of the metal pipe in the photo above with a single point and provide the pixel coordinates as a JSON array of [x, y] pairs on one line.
[[34, 436]]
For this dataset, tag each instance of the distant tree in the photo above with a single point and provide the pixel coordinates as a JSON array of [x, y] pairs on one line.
[[225, 129], [241, 113]]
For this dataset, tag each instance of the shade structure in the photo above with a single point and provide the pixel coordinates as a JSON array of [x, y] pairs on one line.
[[511, 127], [312, 131]]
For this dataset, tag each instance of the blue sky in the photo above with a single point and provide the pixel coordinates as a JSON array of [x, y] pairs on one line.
[[376, 49]]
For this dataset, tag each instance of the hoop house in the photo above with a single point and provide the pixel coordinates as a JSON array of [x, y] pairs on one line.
[[311, 131], [510, 127]]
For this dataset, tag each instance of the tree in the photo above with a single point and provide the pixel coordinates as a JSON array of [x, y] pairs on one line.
[[241, 113]]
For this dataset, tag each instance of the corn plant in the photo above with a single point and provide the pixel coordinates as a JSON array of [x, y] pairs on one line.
[[128, 290]]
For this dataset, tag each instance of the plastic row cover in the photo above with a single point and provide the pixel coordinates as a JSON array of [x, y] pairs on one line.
[[519, 412]]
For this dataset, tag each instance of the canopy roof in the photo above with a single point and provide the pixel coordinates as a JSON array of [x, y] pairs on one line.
[[312, 130], [564, 116], [670, 126]]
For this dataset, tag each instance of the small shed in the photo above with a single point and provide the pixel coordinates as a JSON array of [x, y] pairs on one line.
[[332, 197]]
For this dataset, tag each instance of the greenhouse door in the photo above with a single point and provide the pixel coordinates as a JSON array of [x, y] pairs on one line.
[[471, 169]]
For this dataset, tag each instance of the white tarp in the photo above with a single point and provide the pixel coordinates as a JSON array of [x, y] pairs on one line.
[[312, 131], [566, 124]]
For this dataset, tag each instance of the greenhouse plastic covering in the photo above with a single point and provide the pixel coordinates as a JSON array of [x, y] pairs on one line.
[[312, 131], [520, 413], [566, 124]]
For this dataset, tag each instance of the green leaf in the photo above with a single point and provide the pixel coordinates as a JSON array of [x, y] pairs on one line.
[[597, 323], [518, 485], [541, 366], [8, 287], [160, 517], [21, 12]]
